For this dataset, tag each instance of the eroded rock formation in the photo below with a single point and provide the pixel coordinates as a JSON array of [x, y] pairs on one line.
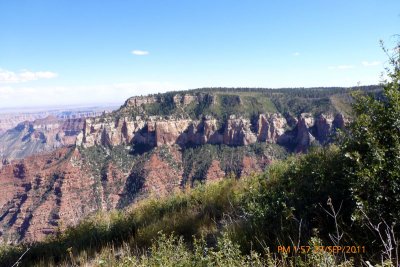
[[271, 127], [235, 131]]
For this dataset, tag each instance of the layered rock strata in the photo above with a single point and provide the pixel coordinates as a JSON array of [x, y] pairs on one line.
[[235, 131]]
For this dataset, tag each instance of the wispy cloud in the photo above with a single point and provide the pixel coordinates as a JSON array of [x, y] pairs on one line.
[[140, 52], [341, 67], [7, 76], [296, 54], [370, 63]]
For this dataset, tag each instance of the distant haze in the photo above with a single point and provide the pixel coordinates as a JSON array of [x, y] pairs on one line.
[[59, 108]]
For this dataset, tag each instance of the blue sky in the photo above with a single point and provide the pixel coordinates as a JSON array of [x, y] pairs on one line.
[[77, 52]]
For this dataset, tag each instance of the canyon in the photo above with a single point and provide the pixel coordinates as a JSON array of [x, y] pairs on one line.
[[150, 147], [39, 136], [10, 118], [28, 133]]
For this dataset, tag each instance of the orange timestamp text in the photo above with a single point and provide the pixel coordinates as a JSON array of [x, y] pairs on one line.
[[329, 249]]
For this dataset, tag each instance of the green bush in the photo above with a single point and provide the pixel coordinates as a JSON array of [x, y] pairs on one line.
[[372, 149], [292, 196]]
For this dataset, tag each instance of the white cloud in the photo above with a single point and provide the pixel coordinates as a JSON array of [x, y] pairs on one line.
[[140, 52], [341, 67], [296, 54], [7, 76], [370, 63]]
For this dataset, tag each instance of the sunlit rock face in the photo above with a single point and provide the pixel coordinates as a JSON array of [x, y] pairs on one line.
[[236, 131], [271, 127]]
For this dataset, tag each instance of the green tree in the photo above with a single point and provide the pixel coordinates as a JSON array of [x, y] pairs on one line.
[[372, 147]]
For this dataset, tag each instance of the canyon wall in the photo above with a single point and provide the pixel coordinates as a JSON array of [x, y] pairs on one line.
[[235, 131]]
